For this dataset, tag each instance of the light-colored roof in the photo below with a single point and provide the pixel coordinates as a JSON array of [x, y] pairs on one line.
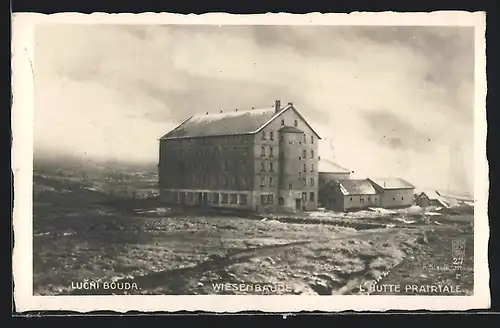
[[356, 187], [325, 165], [229, 123], [392, 183], [431, 194]]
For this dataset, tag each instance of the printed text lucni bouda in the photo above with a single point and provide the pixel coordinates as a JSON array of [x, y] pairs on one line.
[[93, 285]]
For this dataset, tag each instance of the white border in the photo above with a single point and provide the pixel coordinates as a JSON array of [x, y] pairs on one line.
[[22, 159]]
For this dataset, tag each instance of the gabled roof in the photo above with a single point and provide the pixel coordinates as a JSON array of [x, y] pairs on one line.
[[229, 123], [431, 194], [356, 187], [325, 165], [392, 183]]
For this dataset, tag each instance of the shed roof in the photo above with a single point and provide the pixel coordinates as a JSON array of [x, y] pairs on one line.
[[326, 165], [392, 183], [356, 187], [229, 123]]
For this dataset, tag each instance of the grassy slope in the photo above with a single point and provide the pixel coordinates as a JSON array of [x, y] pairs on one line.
[[81, 234]]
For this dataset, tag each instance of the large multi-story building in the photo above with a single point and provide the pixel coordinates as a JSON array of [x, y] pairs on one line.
[[259, 159]]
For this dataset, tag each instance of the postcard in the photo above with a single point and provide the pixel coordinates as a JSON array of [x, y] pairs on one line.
[[271, 162]]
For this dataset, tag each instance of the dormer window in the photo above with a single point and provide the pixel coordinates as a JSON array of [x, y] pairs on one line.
[[263, 135]]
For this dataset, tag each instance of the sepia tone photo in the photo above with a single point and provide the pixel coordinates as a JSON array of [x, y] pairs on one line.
[[199, 157]]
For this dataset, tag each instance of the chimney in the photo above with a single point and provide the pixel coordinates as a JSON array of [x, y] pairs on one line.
[[221, 111], [236, 109], [290, 104], [277, 106], [206, 113]]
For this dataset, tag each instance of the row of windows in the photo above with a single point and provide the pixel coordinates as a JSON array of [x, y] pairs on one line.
[[212, 140], [271, 134], [207, 152], [208, 198], [206, 181]]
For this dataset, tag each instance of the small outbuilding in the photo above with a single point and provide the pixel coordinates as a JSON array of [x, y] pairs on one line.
[[348, 195]]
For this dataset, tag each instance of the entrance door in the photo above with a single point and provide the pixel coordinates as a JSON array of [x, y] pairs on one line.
[[205, 198], [298, 204], [200, 198]]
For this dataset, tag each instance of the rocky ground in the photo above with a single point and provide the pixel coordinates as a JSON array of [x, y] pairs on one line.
[[83, 235]]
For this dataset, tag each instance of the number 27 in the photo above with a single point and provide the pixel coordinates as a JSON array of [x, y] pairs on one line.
[[458, 261]]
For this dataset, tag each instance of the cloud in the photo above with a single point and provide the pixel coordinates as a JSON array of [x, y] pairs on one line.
[[388, 101]]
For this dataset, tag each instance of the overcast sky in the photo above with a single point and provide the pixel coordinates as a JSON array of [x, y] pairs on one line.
[[387, 101]]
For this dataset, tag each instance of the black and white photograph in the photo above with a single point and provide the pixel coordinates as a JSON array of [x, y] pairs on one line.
[[196, 156]]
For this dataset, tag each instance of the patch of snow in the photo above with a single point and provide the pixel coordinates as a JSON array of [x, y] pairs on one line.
[[381, 210], [432, 213], [404, 220]]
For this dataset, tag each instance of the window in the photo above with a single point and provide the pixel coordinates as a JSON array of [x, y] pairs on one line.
[[369, 198], [233, 199], [225, 182], [271, 136], [393, 198], [262, 181], [267, 199], [304, 153], [271, 152], [312, 139], [402, 198], [300, 174], [270, 182], [217, 152], [350, 198], [312, 167], [262, 167], [225, 166], [271, 168], [312, 182], [305, 167], [295, 123], [304, 197], [245, 182], [243, 199], [290, 186], [282, 122], [311, 197], [281, 201], [305, 182], [225, 198], [305, 140], [263, 151], [312, 153], [263, 135], [362, 200], [215, 198]]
